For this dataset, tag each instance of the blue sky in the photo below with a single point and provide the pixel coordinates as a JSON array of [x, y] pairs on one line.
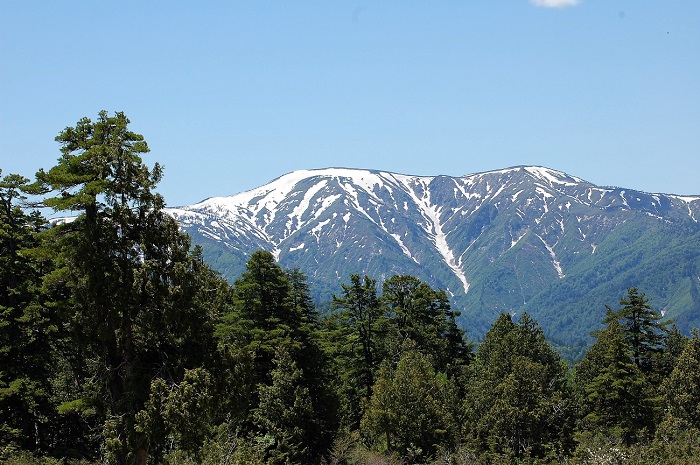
[[230, 95]]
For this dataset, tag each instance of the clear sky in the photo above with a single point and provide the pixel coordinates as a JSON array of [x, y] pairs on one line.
[[231, 94]]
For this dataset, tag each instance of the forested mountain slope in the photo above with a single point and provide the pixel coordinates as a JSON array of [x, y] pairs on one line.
[[519, 239]]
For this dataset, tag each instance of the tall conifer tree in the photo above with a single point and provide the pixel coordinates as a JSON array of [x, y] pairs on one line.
[[411, 408], [357, 327], [617, 399], [681, 394], [643, 329], [272, 312], [132, 280]]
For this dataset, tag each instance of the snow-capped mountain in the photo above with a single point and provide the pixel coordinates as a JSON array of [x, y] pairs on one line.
[[523, 238]]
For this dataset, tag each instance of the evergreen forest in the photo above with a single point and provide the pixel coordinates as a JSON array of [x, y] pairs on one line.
[[120, 345]]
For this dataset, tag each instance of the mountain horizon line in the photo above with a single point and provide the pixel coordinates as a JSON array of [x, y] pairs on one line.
[[313, 171]]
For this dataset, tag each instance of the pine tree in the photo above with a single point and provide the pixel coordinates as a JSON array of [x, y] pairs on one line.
[[133, 308]]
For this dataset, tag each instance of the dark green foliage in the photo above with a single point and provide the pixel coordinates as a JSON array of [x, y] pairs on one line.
[[354, 338], [423, 315], [411, 411], [27, 327], [517, 404], [674, 344], [643, 330], [117, 343], [619, 378], [681, 394], [177, 416], [262, 314], [364, 329], [271, 310], [616, 397], [621, 373], [285, 417], [133, 310]]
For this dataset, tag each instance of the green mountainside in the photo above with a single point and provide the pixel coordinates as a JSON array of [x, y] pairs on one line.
[[519, 239]]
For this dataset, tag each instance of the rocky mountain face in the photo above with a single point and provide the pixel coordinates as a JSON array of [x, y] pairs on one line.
[[520, 239]]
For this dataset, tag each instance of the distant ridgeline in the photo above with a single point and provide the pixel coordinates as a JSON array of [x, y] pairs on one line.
[[514, 240]]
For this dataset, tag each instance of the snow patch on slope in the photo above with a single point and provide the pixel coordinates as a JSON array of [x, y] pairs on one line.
[[555, 261], [432, 214], [405, 249], [553, 176], [299, 210], [688, 201]]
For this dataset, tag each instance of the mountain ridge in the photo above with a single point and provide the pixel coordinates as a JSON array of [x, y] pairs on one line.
[[500, 240]]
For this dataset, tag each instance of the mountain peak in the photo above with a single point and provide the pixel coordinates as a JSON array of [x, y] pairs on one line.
[[504, 240]]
